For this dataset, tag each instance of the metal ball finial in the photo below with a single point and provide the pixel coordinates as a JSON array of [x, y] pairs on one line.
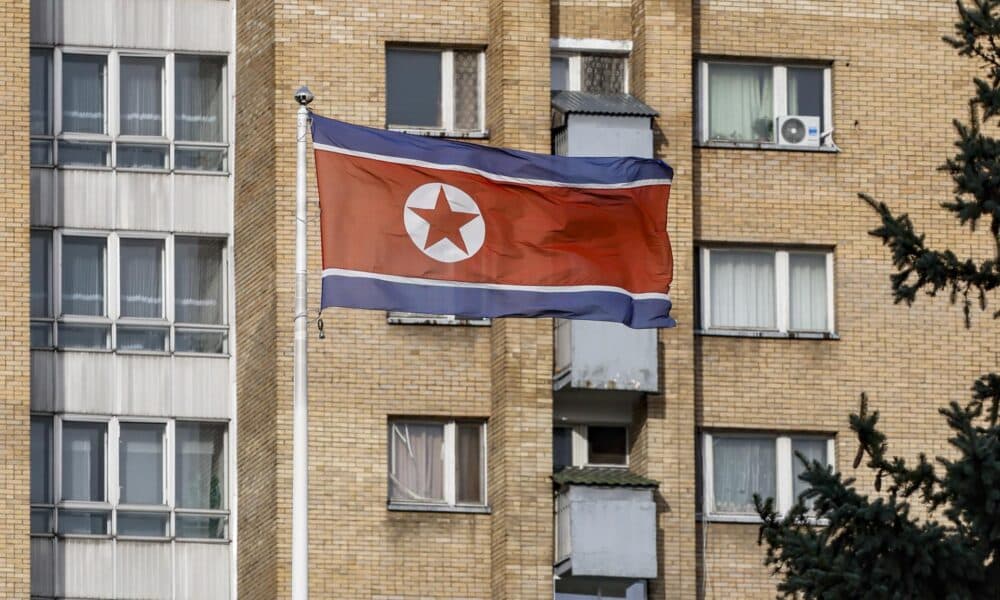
[[303, 96]]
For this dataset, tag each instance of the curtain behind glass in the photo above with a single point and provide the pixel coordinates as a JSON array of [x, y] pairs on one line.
[[83, 275], [83, 461], [740, 103], [83, 93], [41, 460], [413, 88], [805, 93], [742, 467], [807, 303], [200, 465], [140, 468], [41, 249], [198, 280], [468, 464], [416, 468], [141, 96], [198, 98], [141, 278], [742, 289], [41, 75], [814, 450]]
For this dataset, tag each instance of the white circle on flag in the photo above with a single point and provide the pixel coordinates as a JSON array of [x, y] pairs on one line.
[[444, 222]]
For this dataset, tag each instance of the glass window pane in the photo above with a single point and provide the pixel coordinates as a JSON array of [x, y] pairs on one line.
[[813, 449], [204, 342], [560, 73], [201, 527], [142, 524], [41, 81], [805, 93], [41, 335], [198, 280], [86, 154], [41, 520], [466, 90], [41, 460], [468, 463], [135, 156], [141, 278], [149, 339], [199, 98], [742, 289], [562, 447], [200, 159], [84, 336], [740, 103], [83, 460], [140, 463], [41, 153], [83, 93], [141, 95], [41, 276], [86, 522], [413, 87], [83, 264], [607, 445], [742, 467], [603, 74], [416, 462], [807, 302], [200, 465]]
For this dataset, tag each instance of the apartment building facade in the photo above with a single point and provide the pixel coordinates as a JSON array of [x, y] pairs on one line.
[[149, 285]]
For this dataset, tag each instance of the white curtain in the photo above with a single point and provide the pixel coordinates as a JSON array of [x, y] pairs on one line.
[[83, 93], [416, 469], [742, 289], [200, 465], [198, 280], [741, 106], [83, 461], [41, 244], [742, 467], [141, 278], [813, 449], [141, 463], [141, 96], [807, 303], [198, 99], [83, 276]]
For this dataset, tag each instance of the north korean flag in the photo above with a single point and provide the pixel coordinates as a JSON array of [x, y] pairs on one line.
[[417, 224]]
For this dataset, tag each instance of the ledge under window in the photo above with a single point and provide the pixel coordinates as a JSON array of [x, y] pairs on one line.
[[444, 133], [778, 335], [829, 149], [442, 508]]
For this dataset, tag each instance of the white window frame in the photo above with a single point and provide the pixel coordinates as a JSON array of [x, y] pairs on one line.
[[112, 292], [48, 321], [447, 128], [781, 298], [226, 479], [448, 459], [166, 483], [779, 95], [48, 138], [112, 110], [574, 49], [783, 461], [110, 475], [581, 447], [49, 506]]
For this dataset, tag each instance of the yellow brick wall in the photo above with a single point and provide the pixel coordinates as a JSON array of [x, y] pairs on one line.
[[15, 263]]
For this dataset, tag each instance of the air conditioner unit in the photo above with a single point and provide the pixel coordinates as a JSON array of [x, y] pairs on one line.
[[798, 131]]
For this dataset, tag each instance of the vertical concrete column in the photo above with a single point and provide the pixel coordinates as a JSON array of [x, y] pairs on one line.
[[520, 427], [660, 72]]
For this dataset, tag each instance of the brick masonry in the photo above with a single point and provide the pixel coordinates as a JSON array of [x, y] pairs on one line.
[[896, 88]]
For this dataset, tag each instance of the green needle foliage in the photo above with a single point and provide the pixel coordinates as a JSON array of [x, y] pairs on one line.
[[864, 547]]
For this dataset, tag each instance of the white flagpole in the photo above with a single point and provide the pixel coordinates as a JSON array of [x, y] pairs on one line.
[[300, 428]]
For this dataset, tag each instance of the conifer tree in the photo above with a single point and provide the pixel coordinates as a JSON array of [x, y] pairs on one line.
[[877, 546]]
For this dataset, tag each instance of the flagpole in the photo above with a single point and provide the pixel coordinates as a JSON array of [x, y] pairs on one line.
[[300, 427]]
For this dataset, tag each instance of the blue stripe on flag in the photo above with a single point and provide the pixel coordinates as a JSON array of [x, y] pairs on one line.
[[473, 303], [500, 161]]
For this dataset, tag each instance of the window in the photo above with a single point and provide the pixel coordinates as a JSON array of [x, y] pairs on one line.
[[766, 290], [410, 318], [146, 131], [735, 466], [437, 463], [130, 312], [590, 445], [435, 89], [592, 72], [740, 101], [136, 499]]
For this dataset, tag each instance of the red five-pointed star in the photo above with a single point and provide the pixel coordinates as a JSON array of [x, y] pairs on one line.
[[444, 222]]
